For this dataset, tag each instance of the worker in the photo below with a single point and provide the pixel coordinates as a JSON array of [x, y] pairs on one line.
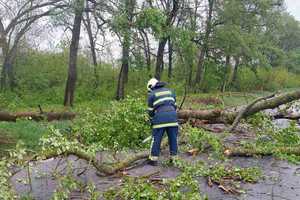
[[163, 116]]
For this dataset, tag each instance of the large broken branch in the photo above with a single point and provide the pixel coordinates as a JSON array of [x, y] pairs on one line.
[[102, 168], [228, 115], [244, 152], [245, 110]]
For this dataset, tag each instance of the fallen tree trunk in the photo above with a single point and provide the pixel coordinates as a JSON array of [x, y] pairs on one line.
[[212, 116], [49, 116], [244, 152], [229, 115]]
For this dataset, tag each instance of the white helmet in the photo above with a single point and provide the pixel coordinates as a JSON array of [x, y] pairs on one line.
[[151, 83]]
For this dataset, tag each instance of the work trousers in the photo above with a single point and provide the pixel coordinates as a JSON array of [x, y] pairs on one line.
[[157, 135]]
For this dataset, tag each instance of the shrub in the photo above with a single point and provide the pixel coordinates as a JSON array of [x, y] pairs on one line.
[[125, 125]]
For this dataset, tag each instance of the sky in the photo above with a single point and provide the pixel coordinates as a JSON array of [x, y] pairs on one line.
[[293, 7]]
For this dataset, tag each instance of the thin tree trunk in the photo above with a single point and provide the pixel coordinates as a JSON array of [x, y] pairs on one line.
[[204, 49], [163, 41], [235, 71], [72, 74], [7, 74], [92, 45], [123, 73], [225, 77], [147, 52], [123, 76], [160, 58], [170, 69]]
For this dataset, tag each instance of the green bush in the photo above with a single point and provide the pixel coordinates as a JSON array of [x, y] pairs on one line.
[[124, 125]]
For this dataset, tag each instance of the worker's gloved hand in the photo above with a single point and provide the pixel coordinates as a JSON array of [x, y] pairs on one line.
[[150, 121]]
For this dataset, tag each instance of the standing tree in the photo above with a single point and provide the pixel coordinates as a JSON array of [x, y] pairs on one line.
[[205, 45], [124, 23], [72, 72], [171, 9]]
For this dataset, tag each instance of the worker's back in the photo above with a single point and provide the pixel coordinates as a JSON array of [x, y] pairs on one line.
[[162, 106]]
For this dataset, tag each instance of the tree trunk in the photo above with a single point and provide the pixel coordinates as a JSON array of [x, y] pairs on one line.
[[226, 73], [7, 74], [235, 71], [204, 49], [126, 42], [244, 152], [72, 73], [162, 42], [147, 52], [160, 58], [170, 59], [123, 73], [92, 45]]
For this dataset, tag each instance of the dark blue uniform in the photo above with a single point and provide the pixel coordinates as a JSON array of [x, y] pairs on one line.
[[162, 111]]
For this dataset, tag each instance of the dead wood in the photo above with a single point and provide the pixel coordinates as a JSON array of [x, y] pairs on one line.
[[244, 152]]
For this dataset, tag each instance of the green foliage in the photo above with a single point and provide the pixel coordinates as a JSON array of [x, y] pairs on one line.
[[182, 187], [152, 18], [66, 185], [124, 125], [14, 159], [201, 139], [218, 172], [5, 190], [249, 175], [58, 142]]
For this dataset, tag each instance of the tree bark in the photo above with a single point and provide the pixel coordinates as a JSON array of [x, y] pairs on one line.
[[160, 58], [72, 73], [123, 73], [242, 152], [170, 69], [226, 73], [235, 71], [204, 49], [88, 26], [126, 43], [147, 52]]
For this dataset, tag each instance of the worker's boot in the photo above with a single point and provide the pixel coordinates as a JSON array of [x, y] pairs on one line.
[[152, 162]]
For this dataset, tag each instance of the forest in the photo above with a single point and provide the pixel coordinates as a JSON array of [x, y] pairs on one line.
[[73, 99]]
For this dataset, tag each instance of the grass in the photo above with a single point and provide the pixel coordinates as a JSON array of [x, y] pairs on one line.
[[29, 132]]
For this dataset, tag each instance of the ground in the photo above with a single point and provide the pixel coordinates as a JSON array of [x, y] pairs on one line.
[[280, 178]]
